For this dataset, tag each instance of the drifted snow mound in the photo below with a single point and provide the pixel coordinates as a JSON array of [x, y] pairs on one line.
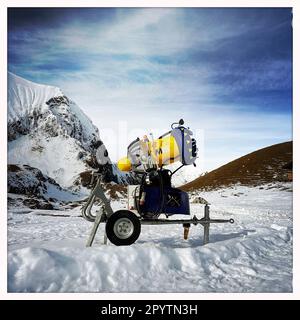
[[48, 131], [245, 265]]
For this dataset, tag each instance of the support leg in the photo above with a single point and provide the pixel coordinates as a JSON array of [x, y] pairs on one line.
[[206, 225], [105, 238], [206, 234], [92, 235]]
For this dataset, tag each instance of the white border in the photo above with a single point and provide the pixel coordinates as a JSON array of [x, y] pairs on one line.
[[3, 151]]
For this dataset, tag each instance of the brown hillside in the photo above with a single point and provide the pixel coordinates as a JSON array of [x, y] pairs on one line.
[[262, 166]]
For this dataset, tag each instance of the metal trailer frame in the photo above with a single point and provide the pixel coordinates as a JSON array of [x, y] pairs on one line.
[[106, 211]]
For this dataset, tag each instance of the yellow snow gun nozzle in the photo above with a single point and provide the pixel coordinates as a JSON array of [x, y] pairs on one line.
[[124, 164]]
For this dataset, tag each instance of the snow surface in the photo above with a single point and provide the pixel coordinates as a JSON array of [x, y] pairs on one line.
[[57, 159], [47, 253]]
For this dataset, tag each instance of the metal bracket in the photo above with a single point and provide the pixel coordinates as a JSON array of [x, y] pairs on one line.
[[101, 215], [96, 193]]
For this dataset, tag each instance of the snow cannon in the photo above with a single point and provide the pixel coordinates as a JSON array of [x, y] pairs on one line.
[[154, 195], [176, 145]]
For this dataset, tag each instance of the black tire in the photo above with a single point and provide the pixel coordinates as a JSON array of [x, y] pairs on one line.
[[123, 228]]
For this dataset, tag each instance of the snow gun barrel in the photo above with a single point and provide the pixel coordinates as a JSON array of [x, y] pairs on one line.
[[176, 145]]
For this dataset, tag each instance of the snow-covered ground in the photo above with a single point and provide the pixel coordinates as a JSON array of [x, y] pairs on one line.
[[47, 253]]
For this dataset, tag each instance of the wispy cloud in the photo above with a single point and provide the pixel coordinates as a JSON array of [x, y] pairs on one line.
[[227, 71]]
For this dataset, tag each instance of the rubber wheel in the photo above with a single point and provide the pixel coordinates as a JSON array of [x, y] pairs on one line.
[[123, 228]]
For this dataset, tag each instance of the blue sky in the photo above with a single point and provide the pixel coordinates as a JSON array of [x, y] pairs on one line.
[[227, 72]]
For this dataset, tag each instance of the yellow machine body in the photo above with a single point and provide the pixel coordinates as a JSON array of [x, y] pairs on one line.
[[162, 151], [176, 145], [166, 150]]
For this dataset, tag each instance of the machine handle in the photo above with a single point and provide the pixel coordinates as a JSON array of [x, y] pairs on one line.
[[181, 123]]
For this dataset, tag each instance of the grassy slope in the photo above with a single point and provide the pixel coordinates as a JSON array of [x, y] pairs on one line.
[[261, 166]]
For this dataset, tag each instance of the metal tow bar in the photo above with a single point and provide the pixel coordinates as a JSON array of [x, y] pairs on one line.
[[205, 222]]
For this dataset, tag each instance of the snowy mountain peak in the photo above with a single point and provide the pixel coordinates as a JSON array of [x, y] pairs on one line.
[[25, 96], [33, 107], [48, 131]]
